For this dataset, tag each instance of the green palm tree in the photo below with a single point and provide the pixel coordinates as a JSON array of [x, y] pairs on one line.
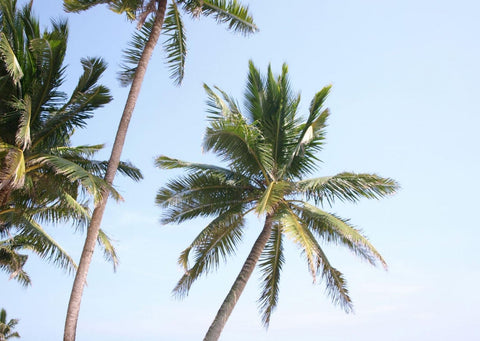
[[152, 16], [43, 178], [6, 328], [269, 151]]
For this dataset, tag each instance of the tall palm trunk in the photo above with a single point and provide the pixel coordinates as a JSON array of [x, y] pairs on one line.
[[230, 301], [93, 228]]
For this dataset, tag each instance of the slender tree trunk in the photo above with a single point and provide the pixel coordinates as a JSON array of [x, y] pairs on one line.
[[94, 226], [230, 301]]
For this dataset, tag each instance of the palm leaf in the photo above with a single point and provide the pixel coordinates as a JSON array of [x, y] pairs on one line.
[[74, 172], [347, 187], [175, 44], [33, 237], [10, 60], [270, 265], [272, 196], [317, 260], [13, 166], [333, 229], [109, 252], [231, 12], [216, 241], [131, 55]]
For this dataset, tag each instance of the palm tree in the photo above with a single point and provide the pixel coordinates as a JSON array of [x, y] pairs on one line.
[[269, 151], [6, 328], [43, 178], [137, 57]]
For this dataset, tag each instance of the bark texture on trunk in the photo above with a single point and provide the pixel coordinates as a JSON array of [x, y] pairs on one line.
[[228, 304], [94, 226]]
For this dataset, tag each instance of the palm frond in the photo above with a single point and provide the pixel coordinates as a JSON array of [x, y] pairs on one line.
[[109, 252], [13, 166], [347, 187], [10, 60], [131, 55], [334, 229], [270, 265], [175, 44], [317, 260], [31, 236], [294, 228], [201, 194], [74, 172], [312, 132], [272, 196], [217, 241], [12, 263], [231, 12], [166, 162], [82, 5], [86, 97], [237, 143]]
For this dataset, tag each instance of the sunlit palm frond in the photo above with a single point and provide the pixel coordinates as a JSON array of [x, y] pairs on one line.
[[347, 187], [109, 252], [272, 196], [231, 12], [334, 229], [9, 59], [318, 262], [295, 230], [12, 160], [23, 136]]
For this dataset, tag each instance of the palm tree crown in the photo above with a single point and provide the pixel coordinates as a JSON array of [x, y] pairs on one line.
[[269, 150], [43, 178], [6, 328], [230, 12]]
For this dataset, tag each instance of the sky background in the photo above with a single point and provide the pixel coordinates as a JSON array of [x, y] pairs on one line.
[[404, 105]]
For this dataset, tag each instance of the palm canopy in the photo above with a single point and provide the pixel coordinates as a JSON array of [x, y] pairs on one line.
[[6, 328], [43, 178], [269, 150], [230, 12]]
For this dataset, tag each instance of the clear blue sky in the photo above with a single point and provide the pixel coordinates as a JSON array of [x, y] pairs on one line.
[[404, 104]]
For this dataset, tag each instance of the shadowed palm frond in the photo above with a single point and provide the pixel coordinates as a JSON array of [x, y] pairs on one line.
[[200, 195], [12, 262], [31, 236], [131, 55], [217, 241], [176, 44], [270, 265]]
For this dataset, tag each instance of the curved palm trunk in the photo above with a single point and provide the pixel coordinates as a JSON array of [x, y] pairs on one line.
[[93, 228], [230, 301]]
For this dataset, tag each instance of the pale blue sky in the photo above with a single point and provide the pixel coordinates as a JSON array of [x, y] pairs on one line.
[[404, 105]]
